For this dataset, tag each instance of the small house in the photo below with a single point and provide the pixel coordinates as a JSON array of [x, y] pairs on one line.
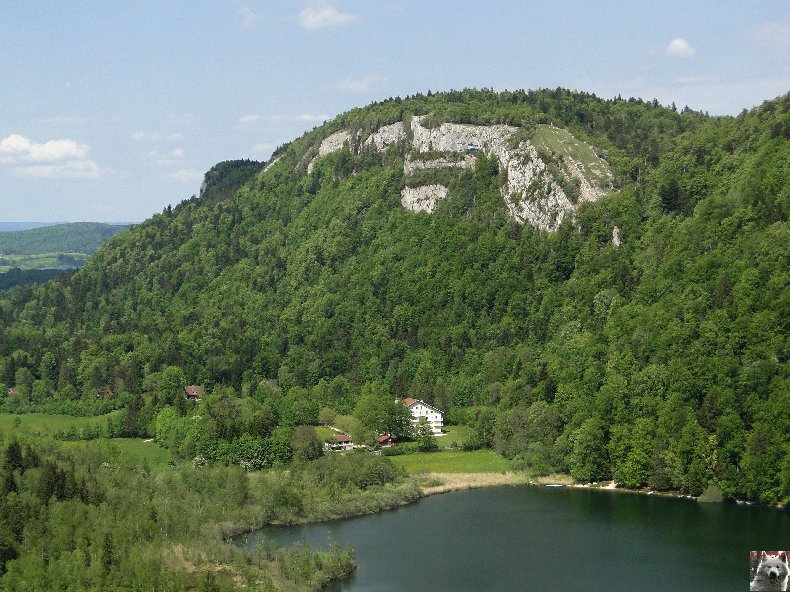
[[11, 391], [385, 441], [194, 393], [340, 442], [105, 392], [419, 409]]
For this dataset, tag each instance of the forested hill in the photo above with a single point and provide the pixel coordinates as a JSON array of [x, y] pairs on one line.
[[75, 237], [596, 286]]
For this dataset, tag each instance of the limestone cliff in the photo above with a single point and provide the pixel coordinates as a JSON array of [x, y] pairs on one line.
[[547, 175]]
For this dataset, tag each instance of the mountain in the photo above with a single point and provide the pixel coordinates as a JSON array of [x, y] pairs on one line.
[[75, 237], [594, 286]]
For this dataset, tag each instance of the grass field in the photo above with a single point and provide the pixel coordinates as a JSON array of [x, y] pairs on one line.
[[476, 461], [130, 450], [560, 141], [43, 424], [457, 434], [41, 260]]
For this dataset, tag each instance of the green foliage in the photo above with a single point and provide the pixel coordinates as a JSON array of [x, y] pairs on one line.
[[74, 237], [101, 525], [661, 362]]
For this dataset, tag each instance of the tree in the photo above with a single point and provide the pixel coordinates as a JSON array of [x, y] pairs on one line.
[[423, 435], [306, 444], [12, 459], [589, 460], [171, 384]]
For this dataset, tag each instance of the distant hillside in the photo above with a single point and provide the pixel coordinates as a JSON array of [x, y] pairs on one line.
[[15, 226], [77, 237]]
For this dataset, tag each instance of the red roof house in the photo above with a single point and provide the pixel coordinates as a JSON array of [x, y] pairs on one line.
[[340, 442], [385, 441], [194, 392]]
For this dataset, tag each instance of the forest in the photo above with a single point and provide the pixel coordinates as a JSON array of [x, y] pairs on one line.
[[660, 362]]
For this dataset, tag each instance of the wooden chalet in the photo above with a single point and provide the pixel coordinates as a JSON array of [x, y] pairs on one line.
[[194, 392]]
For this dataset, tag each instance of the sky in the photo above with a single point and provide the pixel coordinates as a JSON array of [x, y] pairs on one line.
[[110, 110]]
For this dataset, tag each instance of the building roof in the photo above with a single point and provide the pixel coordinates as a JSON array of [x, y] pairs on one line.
[[342, 438], [12, 390], [409, 402], [194, 390], [384, 438]]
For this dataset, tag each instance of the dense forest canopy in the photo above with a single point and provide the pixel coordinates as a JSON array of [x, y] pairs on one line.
[[661, 361]]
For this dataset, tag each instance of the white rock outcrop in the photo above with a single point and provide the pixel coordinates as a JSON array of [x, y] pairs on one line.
[[531, 194], [387, 135], [616, 238], [411, 165], [422, 199], [331, 143]]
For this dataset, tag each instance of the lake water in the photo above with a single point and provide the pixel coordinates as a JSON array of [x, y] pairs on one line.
[[531, 538]]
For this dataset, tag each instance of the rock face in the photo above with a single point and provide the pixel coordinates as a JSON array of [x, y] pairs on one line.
[[412, 165], [386, 136], [422, 199], [330, 144], [533, 194], [616, 240]]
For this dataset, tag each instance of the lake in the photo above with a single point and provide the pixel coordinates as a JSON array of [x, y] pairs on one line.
[[532, 538]]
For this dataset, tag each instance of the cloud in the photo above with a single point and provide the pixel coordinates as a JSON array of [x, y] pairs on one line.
[[73, 169], [53, 159], [16, 147], [169, 158], [249, 19], [302, 117], [774, 35], [311, 117], [184, 176], [157, 137], [698, 79], [364, 84], [679, 48], [251, 118], [322, 13]]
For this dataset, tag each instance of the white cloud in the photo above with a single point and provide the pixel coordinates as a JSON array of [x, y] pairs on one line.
[[169, 158], [184, 176], [249, 19], [251, 118], [73, 169], [323, 13], [364, 84], [698, 79], [16, 149], [679, 48], [311, 117], [157, 137], [775, 35]]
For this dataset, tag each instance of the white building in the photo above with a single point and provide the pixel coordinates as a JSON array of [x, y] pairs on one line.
[[420, 409]]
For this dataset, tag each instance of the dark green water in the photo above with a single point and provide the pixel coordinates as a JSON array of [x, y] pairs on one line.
[[530, 538]]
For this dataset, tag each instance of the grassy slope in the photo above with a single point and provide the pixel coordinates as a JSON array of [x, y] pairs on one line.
[[40, 425], [477, 461]]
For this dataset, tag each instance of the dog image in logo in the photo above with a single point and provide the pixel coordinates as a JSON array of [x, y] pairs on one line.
[[769, 570]]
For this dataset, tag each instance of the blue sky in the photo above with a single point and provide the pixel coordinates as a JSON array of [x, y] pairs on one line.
[[110, 110]]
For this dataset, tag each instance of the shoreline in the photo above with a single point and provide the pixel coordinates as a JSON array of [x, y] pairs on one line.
[[461, 481]]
